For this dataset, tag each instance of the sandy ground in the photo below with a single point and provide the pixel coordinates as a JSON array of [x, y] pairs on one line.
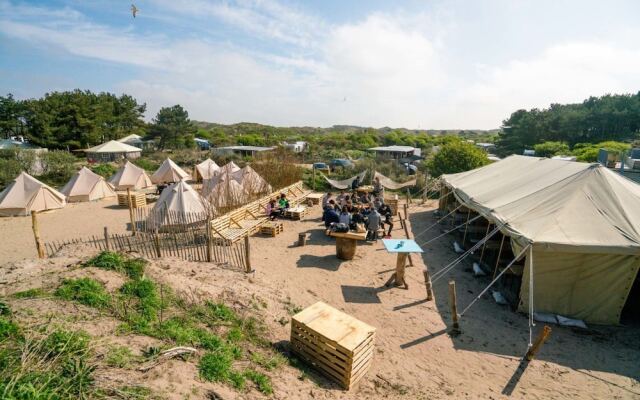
[[415, 358]]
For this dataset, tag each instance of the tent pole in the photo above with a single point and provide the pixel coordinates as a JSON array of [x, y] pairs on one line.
[[464, 237], [485, 243]]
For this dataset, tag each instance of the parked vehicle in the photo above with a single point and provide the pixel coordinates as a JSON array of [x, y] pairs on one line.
[[340, 163], [320, 165]]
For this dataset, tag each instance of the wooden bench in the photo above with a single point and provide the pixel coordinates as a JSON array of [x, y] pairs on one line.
[[297, 213]]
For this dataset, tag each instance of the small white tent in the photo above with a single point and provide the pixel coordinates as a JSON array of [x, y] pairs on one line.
[[251, 181], [86, 185], [130, 176], [26, 194], [169, 172], [179, 203], [229, 168], [206, 169], [223, 191]]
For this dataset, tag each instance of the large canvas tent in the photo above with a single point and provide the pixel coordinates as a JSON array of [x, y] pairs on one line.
[[179, 203], [169, 172], [85, 185], [130, 176], [112, 150], [206, 169], [27, 194], [251, 181], [223, 191], [581, 221]]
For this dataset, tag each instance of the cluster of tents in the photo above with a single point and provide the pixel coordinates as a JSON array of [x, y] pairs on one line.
[[223, 187]]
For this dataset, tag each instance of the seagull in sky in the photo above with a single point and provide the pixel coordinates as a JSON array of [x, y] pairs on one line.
[[134, 10]]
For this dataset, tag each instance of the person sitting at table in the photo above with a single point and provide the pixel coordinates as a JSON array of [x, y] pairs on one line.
[[340, 198], [330, 216], [325, 199], [271, 210], [365, 198], [377, 203], [378, 189], [345, 217], [387, 214], [373, 223], [357, 218], [283, 203], [355, 184]]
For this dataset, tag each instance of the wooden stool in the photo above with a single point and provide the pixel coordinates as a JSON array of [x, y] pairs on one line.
[[302, 239], [272, 228]]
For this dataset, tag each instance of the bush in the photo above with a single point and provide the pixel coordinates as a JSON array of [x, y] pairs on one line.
[[9, 170], [7, 328], [62, 343], [104, 170], [30, 293], [119, 357], [550, 149], [456, 157], [261, 380], [133, 268], [85, 291], [57, 167], [147, 302], [146, 164], [588, 152], [215, 366]]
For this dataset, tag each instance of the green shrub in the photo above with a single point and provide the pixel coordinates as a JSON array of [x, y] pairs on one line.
[[456, 157], [237, 380], [30, 293], [146, 295], [85, 291], [4, 308], [215, 366], [9, 170], [65, 344], [133, 268], [261, 380], [146, 164], [104, 170], [8, 328], [119, 357]]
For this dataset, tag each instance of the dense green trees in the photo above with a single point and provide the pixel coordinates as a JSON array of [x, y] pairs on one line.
[[597, 119], [173, 129], [456, 156], [75, 119], [550, 149]]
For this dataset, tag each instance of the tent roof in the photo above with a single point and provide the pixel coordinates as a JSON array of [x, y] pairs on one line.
[[26, 192], [132, 176], [81, 183], [207, 168], [251, 181], [182, 198], [229, 168], [132, 137], [169, 172], [113, 146], [559, 205]]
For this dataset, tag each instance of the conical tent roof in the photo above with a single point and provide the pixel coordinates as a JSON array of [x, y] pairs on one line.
[[229, 168], [207, 169], [130, 176], [251, 181], [113, 146], [85, 185], [26, 194], [223, 191], [169, 172], [177, 202]]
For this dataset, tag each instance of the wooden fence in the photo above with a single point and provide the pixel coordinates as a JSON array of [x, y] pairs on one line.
[[188, 244]]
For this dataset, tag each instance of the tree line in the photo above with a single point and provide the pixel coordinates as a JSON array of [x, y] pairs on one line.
[[571, 127]]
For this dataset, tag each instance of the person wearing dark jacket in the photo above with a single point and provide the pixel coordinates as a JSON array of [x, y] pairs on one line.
[[387, 214], [330, 216]]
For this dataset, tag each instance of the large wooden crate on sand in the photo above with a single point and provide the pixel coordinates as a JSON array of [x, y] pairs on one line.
[[137, 200], [339, 345]]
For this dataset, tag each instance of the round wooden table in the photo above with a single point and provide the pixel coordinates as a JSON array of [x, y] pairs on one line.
[[345, 248]]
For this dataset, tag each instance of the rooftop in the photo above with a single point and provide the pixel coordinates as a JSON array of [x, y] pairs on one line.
[[400, 149], [245, 148]]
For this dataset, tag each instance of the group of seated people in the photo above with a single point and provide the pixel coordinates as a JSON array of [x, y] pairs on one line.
[[358, 212], [275, 209]]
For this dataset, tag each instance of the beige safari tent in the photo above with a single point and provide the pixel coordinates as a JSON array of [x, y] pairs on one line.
[[86, 185], [169, 172], [581, 221], [206, 170], [26, 194], [229, 168], [251, 181], [223, 191], [179, 202], [112, 150], [130, 176]]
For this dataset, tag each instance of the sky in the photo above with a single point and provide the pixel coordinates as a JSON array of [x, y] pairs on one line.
[[426, 64]]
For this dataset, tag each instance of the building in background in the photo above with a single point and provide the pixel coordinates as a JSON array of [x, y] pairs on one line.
[[395, 152], [297, 147], [203, 144], [243, 151], [112, 151]]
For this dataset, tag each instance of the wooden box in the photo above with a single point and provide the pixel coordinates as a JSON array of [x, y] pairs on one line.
[[137, 200], [393, 204], [340, 346], [296, 213], [271, 228], [315, 197]]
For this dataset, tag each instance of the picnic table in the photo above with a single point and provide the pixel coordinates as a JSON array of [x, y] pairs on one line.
[[346, 243]]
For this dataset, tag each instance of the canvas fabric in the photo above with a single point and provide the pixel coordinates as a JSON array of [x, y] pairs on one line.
[[26, 194], [169, 172]]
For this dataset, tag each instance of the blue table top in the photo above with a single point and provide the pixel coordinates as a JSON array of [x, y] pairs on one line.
[[401, 246]]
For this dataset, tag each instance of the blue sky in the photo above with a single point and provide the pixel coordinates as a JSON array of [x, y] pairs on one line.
[[415, 64]]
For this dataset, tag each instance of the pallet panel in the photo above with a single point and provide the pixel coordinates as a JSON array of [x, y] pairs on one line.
[[137, 200], [337, 344], [272, 228]]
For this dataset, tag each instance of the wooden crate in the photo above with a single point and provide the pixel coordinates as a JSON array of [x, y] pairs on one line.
[[338, 345], [315, 197], [137, 200], [296, 213], [393, 204], [271, 228]]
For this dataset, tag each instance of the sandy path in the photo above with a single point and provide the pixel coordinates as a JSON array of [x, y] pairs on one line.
[[76, 220]]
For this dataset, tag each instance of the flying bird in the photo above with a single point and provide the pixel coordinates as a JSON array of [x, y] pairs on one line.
[[134, 10]]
